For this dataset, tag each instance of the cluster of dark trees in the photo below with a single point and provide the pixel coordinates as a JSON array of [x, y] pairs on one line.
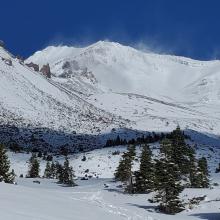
[[64, 173], [144, 139], [175, 168]]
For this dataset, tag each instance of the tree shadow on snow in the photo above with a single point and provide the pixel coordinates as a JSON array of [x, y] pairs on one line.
[[149, 208], [208, 216], [115, 190]]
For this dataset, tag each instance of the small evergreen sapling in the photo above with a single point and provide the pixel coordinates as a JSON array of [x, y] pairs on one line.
[[203, 173], [68, 173], [34, 167], [47, 171]]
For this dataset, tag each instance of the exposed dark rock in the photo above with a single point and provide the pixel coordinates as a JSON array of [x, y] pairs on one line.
[[34, 66], [66, 65], [20, 58], [46, 70], [7, 61], [2, 44], [71, 65]]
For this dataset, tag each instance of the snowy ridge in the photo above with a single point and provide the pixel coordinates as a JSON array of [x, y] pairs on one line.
[[35, 101], [157, 92], [105, 86]]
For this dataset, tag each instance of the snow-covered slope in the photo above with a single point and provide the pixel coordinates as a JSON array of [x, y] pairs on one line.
[[125, 69], [155, 92], [92, 200], [28, 99]]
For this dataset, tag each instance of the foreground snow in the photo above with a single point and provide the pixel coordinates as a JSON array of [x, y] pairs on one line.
[[90, 200]]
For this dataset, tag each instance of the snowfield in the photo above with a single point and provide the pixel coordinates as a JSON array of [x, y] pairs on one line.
[[95, 93], [91, 199], [154, 92], [28, 99]]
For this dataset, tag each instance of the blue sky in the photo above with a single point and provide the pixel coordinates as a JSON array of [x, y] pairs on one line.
[[182, 27]]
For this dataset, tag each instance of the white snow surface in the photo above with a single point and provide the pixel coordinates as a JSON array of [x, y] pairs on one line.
[[154, 92], [27, 98], [107, 85], [91, 199]]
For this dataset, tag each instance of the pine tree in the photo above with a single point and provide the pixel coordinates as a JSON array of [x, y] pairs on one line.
[[12, 176], [198, 172], [53, 170], [48, 171], [124, 170], [217, 169], [59, 171], [34, 167], [144, 178], [166, 148], [131, 152], [203, 172], [67, 174], [193, 171], [5, 174], [167, 184], [180, 151]]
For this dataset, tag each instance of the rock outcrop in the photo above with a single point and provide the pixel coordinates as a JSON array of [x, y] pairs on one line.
[[46, 70], [34, 66], [2, 44]]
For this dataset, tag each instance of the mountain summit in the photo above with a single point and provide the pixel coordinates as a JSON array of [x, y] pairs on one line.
[[107, 86], [153, 91]]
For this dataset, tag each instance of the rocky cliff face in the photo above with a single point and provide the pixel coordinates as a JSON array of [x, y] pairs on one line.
[[45, 69]]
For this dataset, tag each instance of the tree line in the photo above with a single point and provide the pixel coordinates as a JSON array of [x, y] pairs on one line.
[[64, 173], [144, 139]]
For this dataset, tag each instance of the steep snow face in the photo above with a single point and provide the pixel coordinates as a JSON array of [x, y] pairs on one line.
[[156, 92], [28, 98], [127, 70]]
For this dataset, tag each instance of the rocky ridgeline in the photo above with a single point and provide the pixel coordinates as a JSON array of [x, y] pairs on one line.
[[2, 44], [45, 69], [34, 66]]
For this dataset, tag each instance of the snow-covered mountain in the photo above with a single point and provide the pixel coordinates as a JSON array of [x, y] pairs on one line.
[[154, 92], [28, 100], [104, 86]]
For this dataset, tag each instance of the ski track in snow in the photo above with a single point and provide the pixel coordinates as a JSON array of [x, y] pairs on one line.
[[92, 196], [96, 198]]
